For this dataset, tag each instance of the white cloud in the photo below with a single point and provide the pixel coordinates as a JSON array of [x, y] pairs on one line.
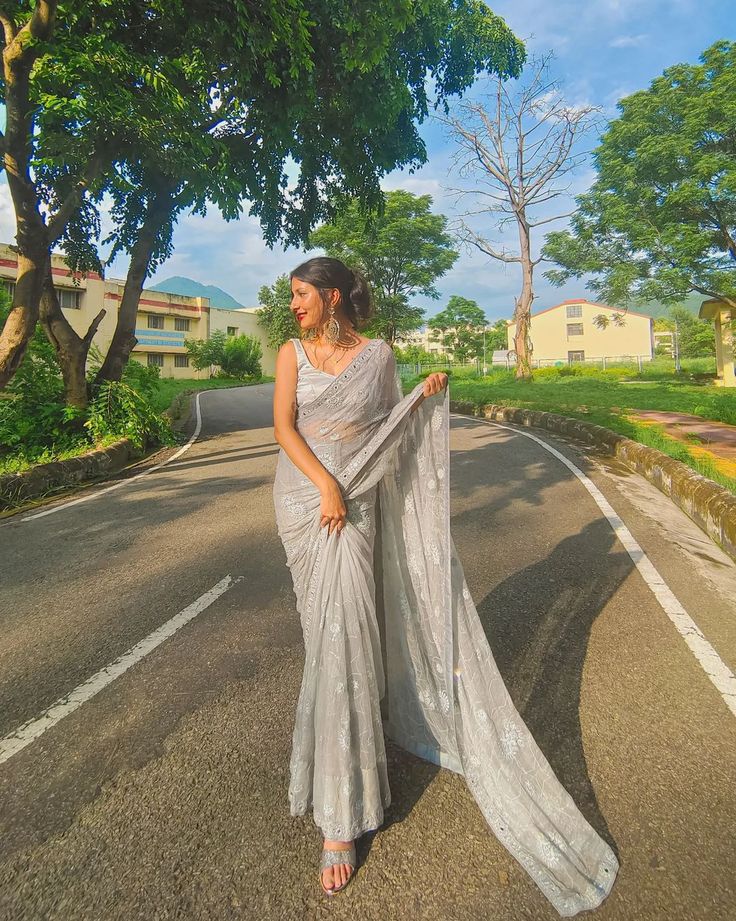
[[627, 41]]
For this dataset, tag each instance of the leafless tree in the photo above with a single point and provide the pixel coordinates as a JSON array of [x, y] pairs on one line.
[[516, 146]]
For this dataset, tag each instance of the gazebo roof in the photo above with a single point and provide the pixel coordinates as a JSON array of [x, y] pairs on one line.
[[709, 310]]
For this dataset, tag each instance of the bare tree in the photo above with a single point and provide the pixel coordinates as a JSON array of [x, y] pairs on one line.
[[516, 146]]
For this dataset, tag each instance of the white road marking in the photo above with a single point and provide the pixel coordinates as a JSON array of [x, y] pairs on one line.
[[132, 479], [28, 732], [711, 663]]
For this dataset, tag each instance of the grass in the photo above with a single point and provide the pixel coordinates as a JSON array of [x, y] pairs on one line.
[[609, 398]]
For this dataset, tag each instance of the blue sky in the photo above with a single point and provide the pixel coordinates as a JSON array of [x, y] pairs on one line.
[[604, 50]]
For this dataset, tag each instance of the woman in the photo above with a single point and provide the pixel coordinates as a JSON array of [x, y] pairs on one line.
[[393, 642]]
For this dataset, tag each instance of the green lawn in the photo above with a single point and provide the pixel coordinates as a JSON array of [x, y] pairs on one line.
[[605, 398]]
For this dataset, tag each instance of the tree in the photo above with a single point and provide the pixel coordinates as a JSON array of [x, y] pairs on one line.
[[696, 337], [227, 94], [402, 252], [275, 315], [459, 328], [238, 356], [518, 146], [660, 219], [496, 337], [196, 102], [413, 354]]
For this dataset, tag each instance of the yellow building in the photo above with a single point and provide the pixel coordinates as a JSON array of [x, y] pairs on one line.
[[566, 332], [164, 320]]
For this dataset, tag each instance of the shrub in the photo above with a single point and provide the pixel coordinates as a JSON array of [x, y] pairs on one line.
[[119, 410]]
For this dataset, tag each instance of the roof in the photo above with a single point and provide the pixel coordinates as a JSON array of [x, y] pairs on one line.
[[583, 300]]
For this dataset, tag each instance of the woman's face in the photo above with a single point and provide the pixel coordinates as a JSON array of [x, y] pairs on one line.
[[306, 303]]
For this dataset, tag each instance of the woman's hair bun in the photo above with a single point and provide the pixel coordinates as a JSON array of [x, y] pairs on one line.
[[325, 272]]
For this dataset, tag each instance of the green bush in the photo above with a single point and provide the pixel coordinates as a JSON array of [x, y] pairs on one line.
[[238, 357], [119, 410]]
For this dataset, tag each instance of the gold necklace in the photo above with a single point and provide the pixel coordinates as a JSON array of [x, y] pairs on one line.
[[337, 360]]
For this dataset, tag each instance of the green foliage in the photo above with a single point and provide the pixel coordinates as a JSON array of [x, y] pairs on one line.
[[242, 357], [216, 97], [412, 355], [276, 316], [402, 252], [459, 328], [37, 427], [119, 410], [237, 356], [659, 220]]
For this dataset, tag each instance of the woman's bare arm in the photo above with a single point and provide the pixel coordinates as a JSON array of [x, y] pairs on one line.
[[284, 414], [333, 511]]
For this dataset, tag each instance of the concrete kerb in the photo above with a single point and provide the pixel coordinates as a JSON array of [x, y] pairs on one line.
[[17, 488], [711, 507], [41, 480]]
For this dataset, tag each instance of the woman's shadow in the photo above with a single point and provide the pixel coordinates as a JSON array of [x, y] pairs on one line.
[[538, 623]]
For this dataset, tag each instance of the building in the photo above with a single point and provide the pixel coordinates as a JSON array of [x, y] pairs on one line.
[[164, 320], [421, 338], [567, 333]]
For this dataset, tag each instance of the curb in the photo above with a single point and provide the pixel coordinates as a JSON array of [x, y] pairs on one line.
[[710, 506], [16, 488]]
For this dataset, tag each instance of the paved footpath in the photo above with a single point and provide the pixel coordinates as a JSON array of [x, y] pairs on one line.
[[163, 795]]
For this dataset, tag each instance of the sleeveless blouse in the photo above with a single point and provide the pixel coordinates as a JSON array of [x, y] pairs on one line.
[[310, 381]]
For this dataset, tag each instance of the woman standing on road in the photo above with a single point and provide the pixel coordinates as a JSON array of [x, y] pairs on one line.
[[357, 456]]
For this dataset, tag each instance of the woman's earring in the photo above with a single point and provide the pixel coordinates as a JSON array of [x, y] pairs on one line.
[[332, 331]]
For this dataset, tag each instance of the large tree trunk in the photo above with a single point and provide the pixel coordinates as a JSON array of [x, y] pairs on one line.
[[158, 211], [523, 304], [71, 349], [22, 47]]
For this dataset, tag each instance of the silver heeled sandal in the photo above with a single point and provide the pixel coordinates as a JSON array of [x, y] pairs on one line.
[[333, 856]]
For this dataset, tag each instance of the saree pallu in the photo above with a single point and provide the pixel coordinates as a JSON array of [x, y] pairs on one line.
[[425, 675]]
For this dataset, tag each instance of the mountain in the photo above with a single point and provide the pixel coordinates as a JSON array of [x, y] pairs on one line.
[[188, 287]]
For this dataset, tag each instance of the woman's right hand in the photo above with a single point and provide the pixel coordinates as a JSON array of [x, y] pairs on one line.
[[333, 510]]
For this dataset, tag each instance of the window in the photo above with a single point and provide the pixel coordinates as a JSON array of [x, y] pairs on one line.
[[574, 310], [155, 321], [9, 288], [574, 329], [182, 324], [232, 330], [575, 356], [155, 359], [181, 361], [69, 299]]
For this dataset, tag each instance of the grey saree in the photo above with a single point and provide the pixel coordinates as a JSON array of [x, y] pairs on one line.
[[419, 669]]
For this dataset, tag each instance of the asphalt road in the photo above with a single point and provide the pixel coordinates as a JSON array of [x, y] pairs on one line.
[[164, 795]]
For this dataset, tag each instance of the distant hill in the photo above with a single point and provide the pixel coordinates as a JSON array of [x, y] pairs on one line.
[[692, 303], [188, 287]]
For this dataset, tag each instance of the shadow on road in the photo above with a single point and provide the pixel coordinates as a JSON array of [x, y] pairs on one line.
[[539, 640]]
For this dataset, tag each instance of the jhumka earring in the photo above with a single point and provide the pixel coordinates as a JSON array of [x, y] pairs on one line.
[[332, 330]]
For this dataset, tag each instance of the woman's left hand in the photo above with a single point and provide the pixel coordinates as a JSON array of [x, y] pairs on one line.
[[434, 383]]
